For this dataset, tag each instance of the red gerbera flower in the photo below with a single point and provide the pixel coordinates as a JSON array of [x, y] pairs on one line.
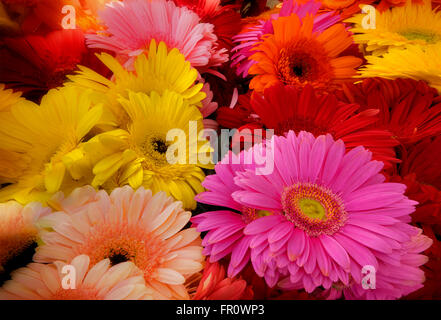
[[38, 15], [410, 109], [226, 20], [214, 285], [420, 170], [236, 116], [428, 209], [423, 159], [248, 7], [34, 64], [285, 108]]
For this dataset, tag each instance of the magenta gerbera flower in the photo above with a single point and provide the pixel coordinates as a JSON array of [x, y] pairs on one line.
[[333, 214], [396, 277], [132, 24], [248, 40]]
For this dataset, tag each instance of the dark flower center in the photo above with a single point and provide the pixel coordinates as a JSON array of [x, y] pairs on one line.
[[118, 257], [159, 146], [299, 70]]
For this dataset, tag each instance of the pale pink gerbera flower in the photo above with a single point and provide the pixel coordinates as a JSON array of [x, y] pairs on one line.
[[132, 24], [251, 38], [17, 228], [128, 225], [333, 214], [85, 282]]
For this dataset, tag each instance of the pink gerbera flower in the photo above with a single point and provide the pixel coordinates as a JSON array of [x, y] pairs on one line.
[[99, 282], [250, 39], [225, 227], [128, 225], [333, 214], [132, 24], [396, 277]]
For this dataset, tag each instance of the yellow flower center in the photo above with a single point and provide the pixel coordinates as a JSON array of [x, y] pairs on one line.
[[250, 214], [312, 208]]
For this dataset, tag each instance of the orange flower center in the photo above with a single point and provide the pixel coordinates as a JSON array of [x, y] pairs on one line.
[[122, 242]]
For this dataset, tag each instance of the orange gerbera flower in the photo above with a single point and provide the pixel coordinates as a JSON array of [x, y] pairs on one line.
[[294, 55], [345, 8]]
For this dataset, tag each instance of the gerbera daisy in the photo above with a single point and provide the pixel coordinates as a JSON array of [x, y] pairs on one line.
[[387, 4], [249, 7], [332, 214], [225, 228], [38, 15], [428, 210], [432, 270], [395, 277], [140, 155], [132, 24], [348, 8], [225, 19], [285, 108], [92, 282], [214, 285], [34, 64], [410, 109], [8, 98], [39, 140], [415, 62], [254, 35], [296, 55], [420, 171], [131, 226], [415, 24], [17, 228], [345, 8], [236, 115], [87, 14], [7, 25], [159, 71], [423, 160], [261, 291]]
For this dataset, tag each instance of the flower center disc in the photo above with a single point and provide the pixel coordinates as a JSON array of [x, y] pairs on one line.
[[251, 214], [313, 208], [154, 147], [303, 61]]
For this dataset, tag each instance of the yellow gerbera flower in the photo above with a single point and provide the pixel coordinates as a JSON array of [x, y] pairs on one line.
[[158, 70], [415, 62], [39, 140], [144, 154], [410, 24], [8, 98]]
